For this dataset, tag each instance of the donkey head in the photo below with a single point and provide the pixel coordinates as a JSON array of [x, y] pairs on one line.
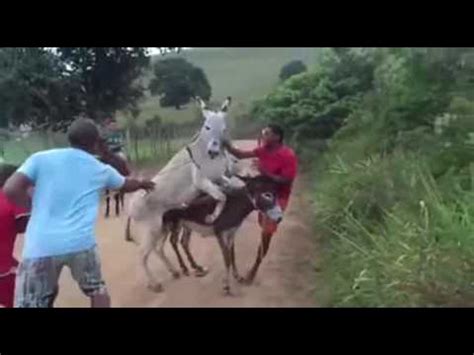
[[263, 192], [214, 128]]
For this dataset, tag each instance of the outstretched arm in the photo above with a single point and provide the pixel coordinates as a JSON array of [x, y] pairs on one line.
[[115, 181], [132, 185], [238, 153]]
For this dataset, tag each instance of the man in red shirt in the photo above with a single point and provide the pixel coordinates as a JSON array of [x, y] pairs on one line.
[[278, 162], [13, 220]]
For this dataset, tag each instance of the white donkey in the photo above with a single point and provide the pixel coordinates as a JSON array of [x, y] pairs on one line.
[[195, 169]]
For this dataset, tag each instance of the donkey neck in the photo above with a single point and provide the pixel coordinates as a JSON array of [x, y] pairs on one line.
[[199, 150], [238, 206]]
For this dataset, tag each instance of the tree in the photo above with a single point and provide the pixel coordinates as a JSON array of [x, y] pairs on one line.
[[108, 76], [292, 68], [176, 81], [50, 87], [35, 87]]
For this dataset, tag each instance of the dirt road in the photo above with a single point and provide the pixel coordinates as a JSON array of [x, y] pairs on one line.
[[286, 277]]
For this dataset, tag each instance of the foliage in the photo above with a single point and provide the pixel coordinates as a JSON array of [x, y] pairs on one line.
[[176, 81], [43, 86], [292, 68], [108, 76], [34, 87], [394, 190], [316, 104]]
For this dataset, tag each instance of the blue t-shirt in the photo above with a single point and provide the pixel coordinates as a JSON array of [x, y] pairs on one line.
[[66, 200]]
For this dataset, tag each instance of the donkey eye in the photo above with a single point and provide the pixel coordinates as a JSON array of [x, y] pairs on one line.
[[207, 127], [268, 196]]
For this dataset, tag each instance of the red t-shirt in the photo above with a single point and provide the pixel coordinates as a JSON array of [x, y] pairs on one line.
[[8, 216], [281, 162]]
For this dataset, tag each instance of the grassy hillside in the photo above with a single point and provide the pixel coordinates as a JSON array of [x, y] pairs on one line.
[[243, 73]]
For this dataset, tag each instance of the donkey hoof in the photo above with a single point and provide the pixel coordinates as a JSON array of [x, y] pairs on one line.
[[227, 291], [185, 272], [176, 275], [156, 288], [240, 279], [201, 272], [247, 280]]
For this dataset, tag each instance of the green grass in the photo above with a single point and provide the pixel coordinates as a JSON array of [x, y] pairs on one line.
[[17, 151], [245, 74], [395, 236]]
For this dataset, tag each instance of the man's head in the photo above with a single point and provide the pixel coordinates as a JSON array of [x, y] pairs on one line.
[[6, 170], [272, 134], [84, 134]]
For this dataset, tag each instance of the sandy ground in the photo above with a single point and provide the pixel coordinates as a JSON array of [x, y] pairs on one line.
[[286, 277]]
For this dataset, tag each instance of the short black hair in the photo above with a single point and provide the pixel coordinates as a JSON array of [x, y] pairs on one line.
[[6, 170], [276, 129], [83, 133]]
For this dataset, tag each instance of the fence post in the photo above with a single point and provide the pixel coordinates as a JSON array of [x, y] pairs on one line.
[[137, 155]]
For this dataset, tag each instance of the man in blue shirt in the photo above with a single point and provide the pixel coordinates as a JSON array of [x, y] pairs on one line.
[[67, 185]]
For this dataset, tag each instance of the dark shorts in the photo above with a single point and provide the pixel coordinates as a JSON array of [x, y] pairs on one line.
[[37, 279]]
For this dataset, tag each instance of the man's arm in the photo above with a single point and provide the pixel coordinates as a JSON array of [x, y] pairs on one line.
[[16, 189], [239, 154], [116, 181], [132, 185]]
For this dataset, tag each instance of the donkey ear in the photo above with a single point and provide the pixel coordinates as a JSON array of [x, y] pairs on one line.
[[226, 104], [201, 103]]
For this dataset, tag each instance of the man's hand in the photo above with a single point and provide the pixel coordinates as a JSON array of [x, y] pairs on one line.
[[148, 185]]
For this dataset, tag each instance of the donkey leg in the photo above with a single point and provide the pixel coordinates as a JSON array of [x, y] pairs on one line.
[[235, 272], [122, 200], [200, 271], [214, 191], [222, 240], [160, 252], [174, 243], [107, 203], [117, 203], [148, 245]]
